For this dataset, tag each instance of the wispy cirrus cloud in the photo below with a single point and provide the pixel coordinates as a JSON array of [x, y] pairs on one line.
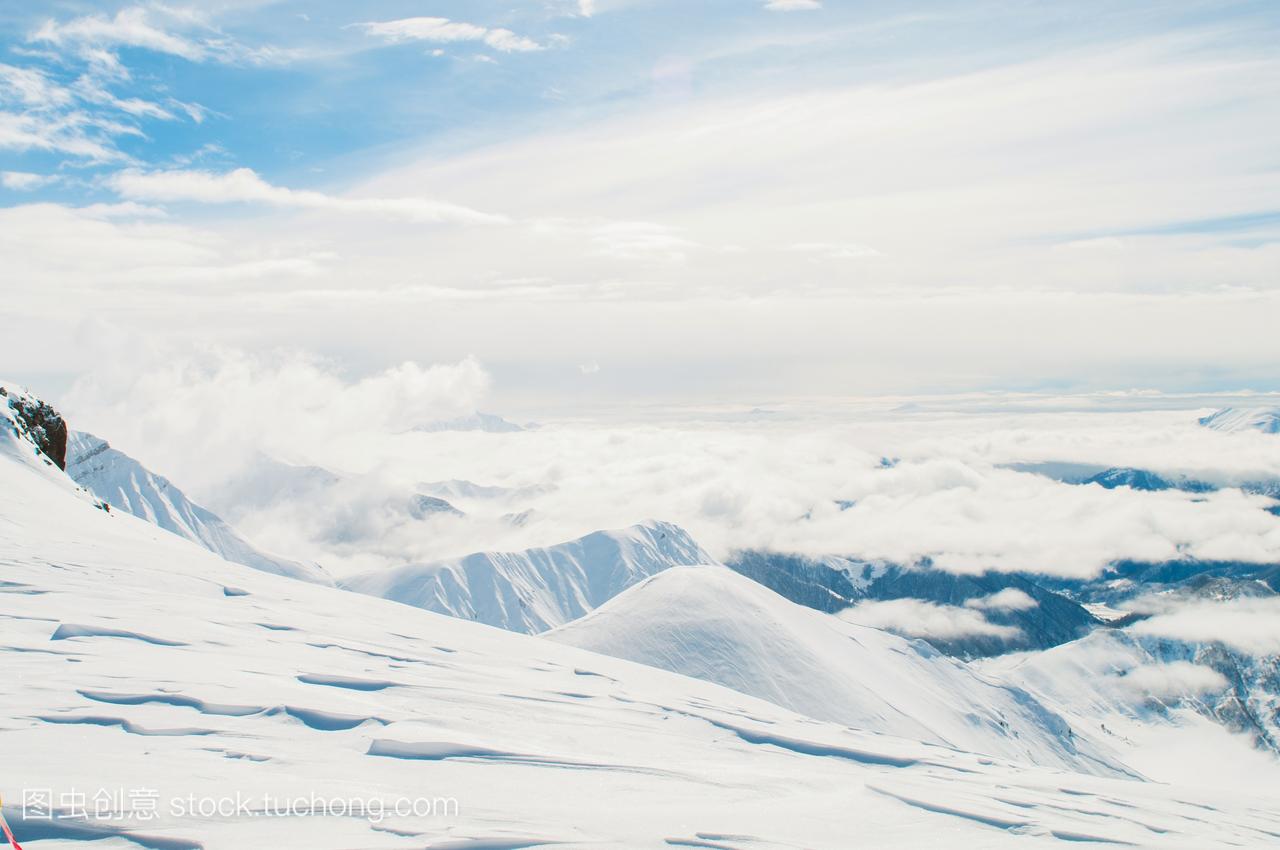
[[793, 5], [243, 185], [185, 33], [446, 31], [31, 88], [62, 101], [130, 27]]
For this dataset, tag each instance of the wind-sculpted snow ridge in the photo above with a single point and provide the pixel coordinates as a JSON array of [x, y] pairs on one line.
[[1264, 419], [711, 623], [275, 693], [537, 589], [129, 486]]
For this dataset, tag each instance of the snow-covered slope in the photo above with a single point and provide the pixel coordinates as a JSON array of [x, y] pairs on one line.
[[711, 623], [142, 665], [1176, 710], [1265, 419], [537, 589], [129, 486]]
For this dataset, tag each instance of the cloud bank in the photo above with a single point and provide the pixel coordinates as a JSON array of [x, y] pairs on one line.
[[920, 619], [243, 185]]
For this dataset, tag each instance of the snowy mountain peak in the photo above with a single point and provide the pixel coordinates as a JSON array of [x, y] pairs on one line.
[[711, 623], [477, 421], [537, 589], [1264, 419], [126, 484]]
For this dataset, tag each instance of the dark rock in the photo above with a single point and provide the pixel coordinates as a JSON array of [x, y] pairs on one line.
[[44, 426]]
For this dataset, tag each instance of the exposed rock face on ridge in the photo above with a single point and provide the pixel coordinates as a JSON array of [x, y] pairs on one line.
[[41, 423]]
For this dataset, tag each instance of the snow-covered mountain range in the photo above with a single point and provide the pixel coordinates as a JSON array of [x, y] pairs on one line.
[[1180, 709], [487, 422], [1040, 618], [1264, 419], [711, 623], [127, 485], [706, 709], [537, 589], [148, 666]]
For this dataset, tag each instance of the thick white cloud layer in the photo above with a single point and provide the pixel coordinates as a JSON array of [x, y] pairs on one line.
[[917, 618], [201, 418], [810, 482], [1174, 680], [1248, 625], [242, 185]]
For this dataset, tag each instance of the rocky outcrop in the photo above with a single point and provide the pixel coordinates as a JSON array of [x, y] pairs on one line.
[[42, 424]]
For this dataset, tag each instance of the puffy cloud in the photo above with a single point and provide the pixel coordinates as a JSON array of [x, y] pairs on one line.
[[243, 185], [1173, 680], [1009, 599], [200, 415], [917, 618], [1248, 625], [734, 480], [25, 181], [443, 31]]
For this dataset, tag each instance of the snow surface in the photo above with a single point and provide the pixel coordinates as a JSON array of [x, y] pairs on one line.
[[711, 623], [1133, 691], [537, 589], [1265, 419], [134, 659], [127, 485]]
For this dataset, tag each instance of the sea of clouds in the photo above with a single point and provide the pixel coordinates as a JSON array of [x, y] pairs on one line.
[[889, 479]]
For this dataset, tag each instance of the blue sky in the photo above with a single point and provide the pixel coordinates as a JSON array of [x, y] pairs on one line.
[[612, 198], [297, 90]]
